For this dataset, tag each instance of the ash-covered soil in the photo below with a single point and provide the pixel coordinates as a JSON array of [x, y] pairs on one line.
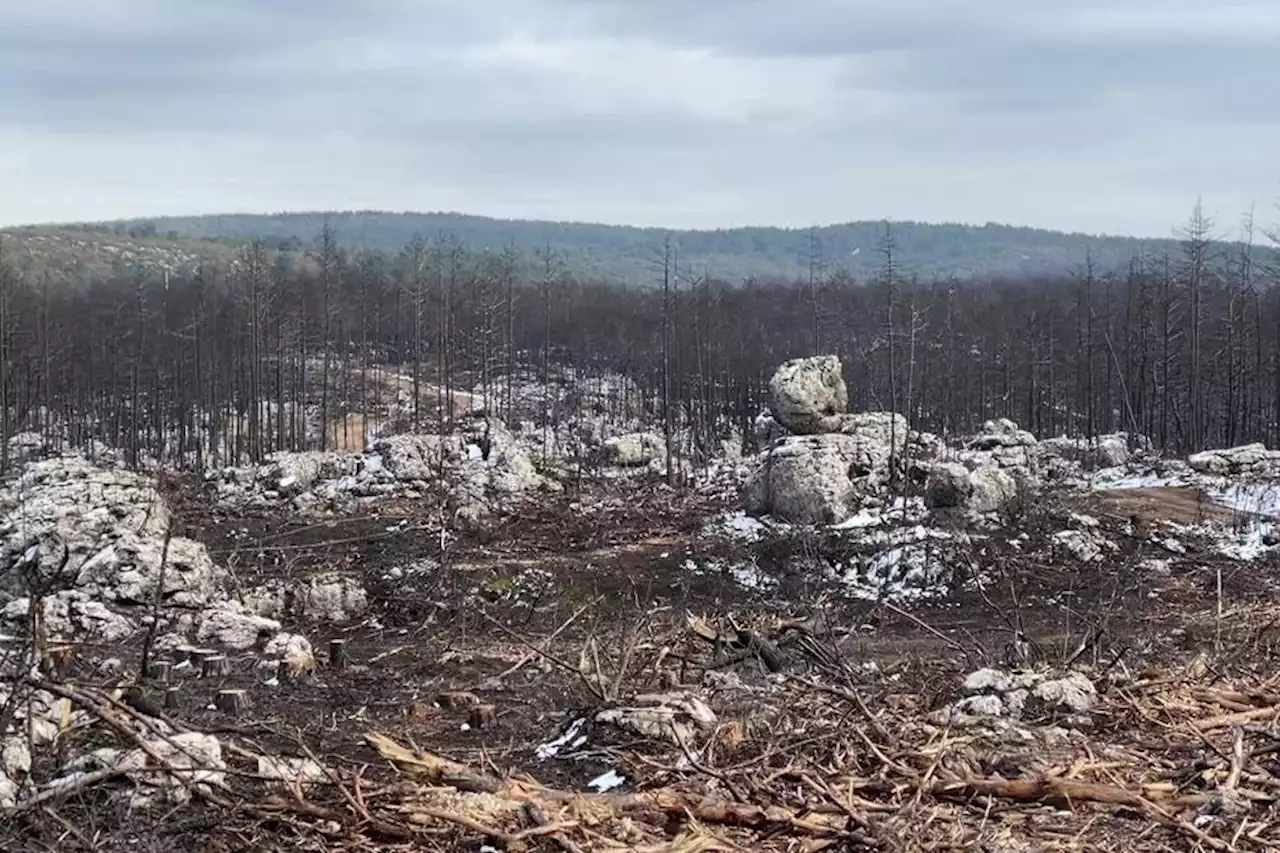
[[831, 712]]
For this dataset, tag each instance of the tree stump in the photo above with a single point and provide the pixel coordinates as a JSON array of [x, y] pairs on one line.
[[231, 701], [160, 670], [171, 698], [198, 656], [457, 700], [215, 666], [483, 716], [338, 654]]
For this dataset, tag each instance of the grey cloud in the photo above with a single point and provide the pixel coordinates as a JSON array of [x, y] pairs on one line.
[[704, 112]]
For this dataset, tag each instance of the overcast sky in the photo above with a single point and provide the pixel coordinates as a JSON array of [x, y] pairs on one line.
[[1095, 116]]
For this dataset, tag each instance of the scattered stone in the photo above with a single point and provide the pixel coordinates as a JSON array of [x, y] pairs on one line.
[[292, 653], [994, 489], [1073, 691], [636, 449], [1001, 432], [1104, 451], [197, 757], [994, 693], [815, 479], [128, 571], [1087, 546]]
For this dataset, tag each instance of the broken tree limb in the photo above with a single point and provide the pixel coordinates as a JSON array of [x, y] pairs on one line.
[[439, 770]]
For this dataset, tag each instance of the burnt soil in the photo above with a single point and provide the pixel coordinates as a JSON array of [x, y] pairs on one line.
[[628, 563]]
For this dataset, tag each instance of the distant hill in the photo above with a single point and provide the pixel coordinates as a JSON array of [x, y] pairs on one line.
[[75, 254], [633, 255]]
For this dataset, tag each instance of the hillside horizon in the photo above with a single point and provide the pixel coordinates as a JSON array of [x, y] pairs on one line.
[[600, 223], [632, 254]]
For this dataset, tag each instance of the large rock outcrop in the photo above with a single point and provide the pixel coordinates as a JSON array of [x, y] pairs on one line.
[[1248, 459], [1104, 451], [804, 392], [836, 461], [808, 479], [88, 543], [985, 489], [823, 479]]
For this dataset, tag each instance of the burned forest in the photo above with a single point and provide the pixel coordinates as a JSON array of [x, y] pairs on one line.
[[324, 548]]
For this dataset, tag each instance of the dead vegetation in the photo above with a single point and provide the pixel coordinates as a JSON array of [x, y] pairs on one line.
[[476, 709]]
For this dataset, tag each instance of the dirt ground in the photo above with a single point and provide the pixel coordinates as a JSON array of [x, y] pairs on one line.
[[599, 589]]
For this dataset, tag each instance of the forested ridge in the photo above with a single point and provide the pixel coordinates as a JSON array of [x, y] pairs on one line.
[[1183, 346], [629, 254]]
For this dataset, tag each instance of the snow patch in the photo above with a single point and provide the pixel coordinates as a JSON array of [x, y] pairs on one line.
[[572, 738], [607, 781]]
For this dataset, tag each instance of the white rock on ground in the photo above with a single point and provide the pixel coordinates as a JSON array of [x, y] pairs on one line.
[[994, 489], [15, 766], [1001, 432], [1105, 451], [911, 571], [72, 615], [1004, 444], [1087, 546], [197, 757], [287, 771], [293, 473], [78, 503], [41, 714], [229, 627], [111, 524], [128, 570], [766, 429], [292, 654], [635, 449], [804, 391], [331, 597]]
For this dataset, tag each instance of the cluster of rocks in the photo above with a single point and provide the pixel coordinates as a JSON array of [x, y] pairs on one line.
[[1004, 464], [89, 544], [992, 694], [830, 463], [477, 468]]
